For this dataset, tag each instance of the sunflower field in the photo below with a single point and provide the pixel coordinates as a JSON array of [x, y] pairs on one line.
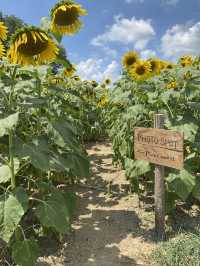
[[46, 115], [144, 89]]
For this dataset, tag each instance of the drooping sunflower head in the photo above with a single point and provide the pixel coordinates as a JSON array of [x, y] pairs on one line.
[[129, 59], [187, 75], [69, 71], [172, 85], [167, 65], [94, 83], [65, 17], [3, 31], [155, 66], [77, 78], [141, 70], [56, 81], [108, 81], [186, 60], [31, 46], [162, 64]]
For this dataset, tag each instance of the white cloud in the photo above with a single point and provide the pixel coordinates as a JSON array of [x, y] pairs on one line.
[[127, 31], [134, 1], [181, 39], [92, 69], [145, 54], [171, 2], [168, 2]]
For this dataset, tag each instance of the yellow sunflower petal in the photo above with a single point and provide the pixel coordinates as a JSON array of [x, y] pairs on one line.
[[129, 59], [2, 50], [65, 18], [3, 31], [140, 71], [32, 46]]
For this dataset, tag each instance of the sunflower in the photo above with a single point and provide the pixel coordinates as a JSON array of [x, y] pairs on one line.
[[102, 101], [108, 81], [56, 81], [94, 83], [169, 65], [155, 66], [172, 85], [2, 50], [3, 31], [188, 75], [141, 70], [162, 64], [186, 61], [69, 71], [65, 17], [31, 46], [77, 78], [129, 59]]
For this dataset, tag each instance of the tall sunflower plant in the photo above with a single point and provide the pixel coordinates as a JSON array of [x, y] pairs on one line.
[[145, 88], [41, 148]]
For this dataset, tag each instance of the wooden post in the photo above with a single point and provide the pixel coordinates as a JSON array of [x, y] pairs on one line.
[[159, 120]]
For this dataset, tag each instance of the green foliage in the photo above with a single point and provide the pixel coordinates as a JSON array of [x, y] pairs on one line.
[[54, 212], [11, 211], [25, 252], [41, 147], [183, 250], [133, 104]]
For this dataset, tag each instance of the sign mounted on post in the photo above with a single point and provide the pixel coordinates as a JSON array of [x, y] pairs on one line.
[[159, 146]]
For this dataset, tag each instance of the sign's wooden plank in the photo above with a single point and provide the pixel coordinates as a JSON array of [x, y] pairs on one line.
[[159, 156], [159, 146], [159, 138]]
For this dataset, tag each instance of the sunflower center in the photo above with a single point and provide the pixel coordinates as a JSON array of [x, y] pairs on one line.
[[131, 60], [169, 67], [31, 48], [140, 70], [68, 17]]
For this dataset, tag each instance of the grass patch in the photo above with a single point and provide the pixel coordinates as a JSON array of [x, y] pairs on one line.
[[183, 250]]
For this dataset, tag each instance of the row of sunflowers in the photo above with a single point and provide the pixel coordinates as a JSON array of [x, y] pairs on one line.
[[145, 88], [141, 70], [46, 114]]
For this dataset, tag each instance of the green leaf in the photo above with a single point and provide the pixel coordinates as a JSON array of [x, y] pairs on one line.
[[64, 133], [11, 212], [57, 36], [22, 197], [30, 101], [196, 189], [37, 151], [63, 62], [78, 164], [136, 168], [54, 212], [25, 253], [45, 23], [170, 199], [182, 184], [5, 173], [8, 123], [189, 130]]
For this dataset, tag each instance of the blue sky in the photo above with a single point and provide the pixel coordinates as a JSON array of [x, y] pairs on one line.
[[164, 28]]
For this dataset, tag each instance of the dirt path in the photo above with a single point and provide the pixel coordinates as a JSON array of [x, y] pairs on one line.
[[108, 231]]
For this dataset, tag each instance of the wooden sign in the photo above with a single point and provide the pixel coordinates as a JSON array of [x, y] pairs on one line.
[[159, 146]]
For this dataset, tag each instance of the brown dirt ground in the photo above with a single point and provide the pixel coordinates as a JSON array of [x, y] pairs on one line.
[[107, 231]]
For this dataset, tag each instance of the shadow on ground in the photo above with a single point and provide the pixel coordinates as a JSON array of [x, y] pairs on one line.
[[106, 231]]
